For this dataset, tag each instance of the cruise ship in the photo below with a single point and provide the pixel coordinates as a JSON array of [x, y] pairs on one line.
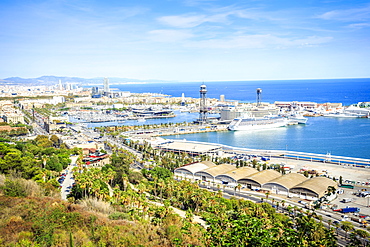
[[258, 123]]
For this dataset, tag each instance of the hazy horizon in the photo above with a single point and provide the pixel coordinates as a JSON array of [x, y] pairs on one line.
[[119, 80]]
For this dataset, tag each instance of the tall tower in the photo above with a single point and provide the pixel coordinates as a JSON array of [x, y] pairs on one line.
[[259, 96], [203, 107], [60, 85], [182, 99], [106, 85]]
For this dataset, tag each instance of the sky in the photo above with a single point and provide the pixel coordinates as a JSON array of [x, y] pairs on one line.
[[186, 40]]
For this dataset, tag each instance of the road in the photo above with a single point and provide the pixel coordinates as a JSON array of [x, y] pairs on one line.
[[257, 198], [69, 180]]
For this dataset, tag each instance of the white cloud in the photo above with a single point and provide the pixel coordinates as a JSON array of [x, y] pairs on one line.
[[359, 25], [221, 15], [183, 21], [162, 35], [259, 41], [197, 2], [355, 14], [218, 15]]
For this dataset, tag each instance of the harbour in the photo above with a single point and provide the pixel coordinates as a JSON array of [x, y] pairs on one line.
[[336, 129], [342, 137]]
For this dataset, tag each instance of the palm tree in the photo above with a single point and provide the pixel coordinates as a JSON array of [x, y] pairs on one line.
[[346, 226], [337, 225], [161, 184], [329, 223], [239, 186], [361, 236], [267, 194], [125, 182]]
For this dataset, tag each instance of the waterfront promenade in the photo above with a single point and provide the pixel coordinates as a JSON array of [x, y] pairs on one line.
[[352, 169]]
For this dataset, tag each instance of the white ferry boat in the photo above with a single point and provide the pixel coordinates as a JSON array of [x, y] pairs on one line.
[[257, 123]]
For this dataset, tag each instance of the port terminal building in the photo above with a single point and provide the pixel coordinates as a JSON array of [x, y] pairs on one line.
[[194, 149], [291, 184]]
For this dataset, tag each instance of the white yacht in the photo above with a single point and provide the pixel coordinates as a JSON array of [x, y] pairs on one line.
[[257, 123], [297, 117]]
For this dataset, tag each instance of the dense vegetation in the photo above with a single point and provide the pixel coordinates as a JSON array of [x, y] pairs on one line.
[[41, 157], [117, 206]]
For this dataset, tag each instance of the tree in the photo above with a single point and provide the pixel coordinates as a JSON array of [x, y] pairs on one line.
[[43, 141], [54, 164], [346, 226], [358, 237], [55, 140], [267, 194], [160, 173]]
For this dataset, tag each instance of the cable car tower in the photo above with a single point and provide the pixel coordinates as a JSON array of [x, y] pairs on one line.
[[203, 106], [259, 96]]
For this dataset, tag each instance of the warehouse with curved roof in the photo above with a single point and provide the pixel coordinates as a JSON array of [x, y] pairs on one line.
[[283, 184], [188, 171], [256, 180], [209, 174], [313, 188], [231, 177]]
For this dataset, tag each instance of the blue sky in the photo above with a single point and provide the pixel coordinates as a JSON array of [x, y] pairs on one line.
[[185, 40]]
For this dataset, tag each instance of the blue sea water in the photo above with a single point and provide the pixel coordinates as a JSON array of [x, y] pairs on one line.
[[348, 137], [346, 91], [343, 137]]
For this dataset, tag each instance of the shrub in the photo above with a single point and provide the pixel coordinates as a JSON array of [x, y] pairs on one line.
[[13, 188], [95, 205], [119, 216], [19, 187]]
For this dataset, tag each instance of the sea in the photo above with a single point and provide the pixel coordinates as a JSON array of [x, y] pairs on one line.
[[348, 137]]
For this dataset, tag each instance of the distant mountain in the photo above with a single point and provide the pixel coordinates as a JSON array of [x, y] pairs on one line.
[[50, 80]]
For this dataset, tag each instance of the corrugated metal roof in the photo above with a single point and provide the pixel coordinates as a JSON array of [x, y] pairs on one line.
[[219, 169], [263, 176], [289, 180], [319, 185], [240, 172], [196, 167]]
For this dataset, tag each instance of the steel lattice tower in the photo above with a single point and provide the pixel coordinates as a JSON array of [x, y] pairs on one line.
[[259, 96], [203, 106]]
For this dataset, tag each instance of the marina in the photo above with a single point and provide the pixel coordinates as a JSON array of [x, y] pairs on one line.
[[105, 116]]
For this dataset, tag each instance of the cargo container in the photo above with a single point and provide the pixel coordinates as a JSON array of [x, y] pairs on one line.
[[350, 210]]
